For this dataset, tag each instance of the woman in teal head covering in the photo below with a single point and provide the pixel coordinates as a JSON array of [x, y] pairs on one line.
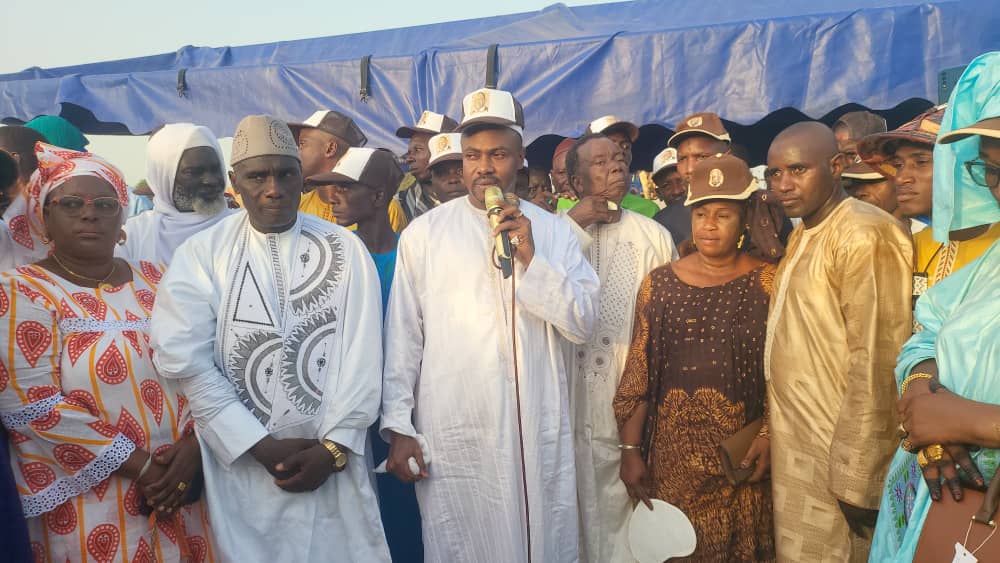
[[59, 132], [949, 374]]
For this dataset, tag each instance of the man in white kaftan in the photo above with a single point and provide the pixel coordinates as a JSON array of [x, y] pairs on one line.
[[184, 169], [276, 344], [452, 374], [622, 246]]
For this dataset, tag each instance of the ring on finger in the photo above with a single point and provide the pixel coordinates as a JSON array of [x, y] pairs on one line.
[[922, 460], [935, 453], [182, 486]]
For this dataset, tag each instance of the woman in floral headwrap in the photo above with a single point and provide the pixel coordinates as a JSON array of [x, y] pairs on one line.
[[104, 455]]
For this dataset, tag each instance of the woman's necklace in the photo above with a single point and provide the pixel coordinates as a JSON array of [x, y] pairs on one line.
[[101, 283]]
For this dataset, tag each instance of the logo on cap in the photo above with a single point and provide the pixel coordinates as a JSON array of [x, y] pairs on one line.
[[423, 119], [671, 154], [695, 121], [442, 144], [479, 103], [716, 178]]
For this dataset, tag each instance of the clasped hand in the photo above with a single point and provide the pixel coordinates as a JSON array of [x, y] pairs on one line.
[[167, 484], [298, 465]]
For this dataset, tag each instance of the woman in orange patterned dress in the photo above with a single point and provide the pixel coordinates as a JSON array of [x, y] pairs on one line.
[[695, 374], [104, 454]]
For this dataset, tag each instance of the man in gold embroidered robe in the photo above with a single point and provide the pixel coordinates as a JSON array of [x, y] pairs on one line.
[[839, 316]]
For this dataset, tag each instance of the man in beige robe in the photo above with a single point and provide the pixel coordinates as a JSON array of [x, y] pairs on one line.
[[839, 316]]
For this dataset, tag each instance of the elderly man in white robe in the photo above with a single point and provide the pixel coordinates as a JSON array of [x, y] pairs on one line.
[[184, 169], [623, 247], [276, 343], [475, 388]]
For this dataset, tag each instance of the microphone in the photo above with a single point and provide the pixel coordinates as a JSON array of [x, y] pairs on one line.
[[494, 198]]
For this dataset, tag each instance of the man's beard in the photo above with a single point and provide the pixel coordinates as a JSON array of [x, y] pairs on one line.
[[201, 206], [209, 207]]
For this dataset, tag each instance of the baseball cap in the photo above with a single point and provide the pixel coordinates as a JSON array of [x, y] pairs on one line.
[[430, 123], [445, 146], [375, 168], [923, 129], [666, 159], [334, 123], [861, 170], [610, 124], [705, 123], [563, 147], [722, 176], [989, 127], [496, 107]]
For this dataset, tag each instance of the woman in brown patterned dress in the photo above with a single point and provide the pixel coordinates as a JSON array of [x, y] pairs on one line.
[[697, 356]]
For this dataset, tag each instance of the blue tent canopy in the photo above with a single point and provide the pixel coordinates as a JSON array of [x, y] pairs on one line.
[[651, 62]]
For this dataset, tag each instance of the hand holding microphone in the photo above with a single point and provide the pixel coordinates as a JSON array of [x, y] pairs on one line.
[[511, 228]]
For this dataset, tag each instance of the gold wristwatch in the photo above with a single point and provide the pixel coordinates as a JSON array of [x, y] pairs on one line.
[[339, 457]]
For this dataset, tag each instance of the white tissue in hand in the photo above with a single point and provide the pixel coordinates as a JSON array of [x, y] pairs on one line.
[[412, 462]]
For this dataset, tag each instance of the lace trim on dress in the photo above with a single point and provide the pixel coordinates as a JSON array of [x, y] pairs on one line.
[[94, 325], [65, 488], [30, 412]]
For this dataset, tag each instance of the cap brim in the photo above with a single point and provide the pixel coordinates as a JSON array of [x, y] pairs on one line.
[[985, 128], [676, 137], [488, 120], [407, 132], [446, 158], [663, 168], [633, 131], [875, 147], [866, 176], [327, 178], [742, 196]]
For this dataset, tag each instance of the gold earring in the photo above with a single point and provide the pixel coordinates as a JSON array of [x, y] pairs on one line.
[[122, 237], [45, 239], [739, 243]]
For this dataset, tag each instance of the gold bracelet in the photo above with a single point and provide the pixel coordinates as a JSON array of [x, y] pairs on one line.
[[629, 447], [910, 379]]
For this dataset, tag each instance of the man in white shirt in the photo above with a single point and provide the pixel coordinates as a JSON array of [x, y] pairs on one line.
[[474, 361]]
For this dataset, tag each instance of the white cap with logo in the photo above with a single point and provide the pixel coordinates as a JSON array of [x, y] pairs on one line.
[[445, 146], [496, 107], [666, 159]]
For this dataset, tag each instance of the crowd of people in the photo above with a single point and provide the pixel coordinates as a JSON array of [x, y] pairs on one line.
[[501, 362]]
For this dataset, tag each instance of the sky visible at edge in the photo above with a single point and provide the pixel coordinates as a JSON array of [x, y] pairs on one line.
[[63, 32]]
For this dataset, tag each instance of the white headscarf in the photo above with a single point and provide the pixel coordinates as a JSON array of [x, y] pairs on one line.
[[163, 154]]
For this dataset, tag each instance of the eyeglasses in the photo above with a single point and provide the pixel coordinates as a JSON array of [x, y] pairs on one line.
[[985, 175], [72, 205]]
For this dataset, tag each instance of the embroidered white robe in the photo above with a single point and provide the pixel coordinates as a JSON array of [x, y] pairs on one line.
[[622, 253], [279, 334]]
